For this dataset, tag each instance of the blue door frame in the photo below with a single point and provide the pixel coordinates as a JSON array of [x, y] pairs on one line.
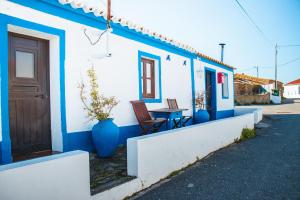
[[5, 145], [214, 91]]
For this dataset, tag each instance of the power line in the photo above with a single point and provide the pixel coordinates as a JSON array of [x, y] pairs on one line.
[[252, 21], [291, 61], [289, 45]]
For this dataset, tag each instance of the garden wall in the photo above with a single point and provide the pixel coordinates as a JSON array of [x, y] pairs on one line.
[[153, 157], [58, 177]]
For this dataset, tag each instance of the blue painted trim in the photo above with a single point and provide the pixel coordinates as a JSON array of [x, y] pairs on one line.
[[39, 160], [142, 54], [83, 140], [214, 89], [215, 64], [224, 114], [225, 97], [53, 7], [193, 86], [5, 21]]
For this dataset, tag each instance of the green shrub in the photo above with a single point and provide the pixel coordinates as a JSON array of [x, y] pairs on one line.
[[247, 134]]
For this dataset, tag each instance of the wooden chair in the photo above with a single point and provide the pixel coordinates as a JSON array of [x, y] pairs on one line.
[[172, 103], [145, 120]]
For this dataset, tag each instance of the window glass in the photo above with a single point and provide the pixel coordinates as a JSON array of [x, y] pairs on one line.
[[148, 86], [24, 64], [148, 78], [148, 69], [225, 92]]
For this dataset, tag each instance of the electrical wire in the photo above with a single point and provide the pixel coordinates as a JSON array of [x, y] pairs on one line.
[[253, 22], [98, 39], [289, 45]]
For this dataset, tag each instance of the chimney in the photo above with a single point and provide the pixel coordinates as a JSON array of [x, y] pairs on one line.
[[222, 51]]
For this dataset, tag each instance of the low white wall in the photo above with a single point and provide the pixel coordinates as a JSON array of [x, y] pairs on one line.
[[275, 99], [245, 110], [58, 177], [155, 156]]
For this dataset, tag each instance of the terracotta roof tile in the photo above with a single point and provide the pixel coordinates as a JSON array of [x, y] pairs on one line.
[[295, 82], [79, 4]]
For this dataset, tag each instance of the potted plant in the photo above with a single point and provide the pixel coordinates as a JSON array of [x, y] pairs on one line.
[[105, 133], [201, 114]]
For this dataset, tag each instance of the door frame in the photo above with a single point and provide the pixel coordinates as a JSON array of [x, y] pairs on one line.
[[214, 90], [56, 39]]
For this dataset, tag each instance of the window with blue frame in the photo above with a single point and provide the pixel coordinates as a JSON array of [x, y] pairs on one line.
[[149, 77], [225, 87]]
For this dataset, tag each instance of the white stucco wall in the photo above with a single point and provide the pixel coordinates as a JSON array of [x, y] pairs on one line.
[[57, 177], [118, 75], [199, 70], [291, 91], [175, 149]]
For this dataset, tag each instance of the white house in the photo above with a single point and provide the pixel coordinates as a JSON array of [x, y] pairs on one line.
[[45, 52], [292, 89]]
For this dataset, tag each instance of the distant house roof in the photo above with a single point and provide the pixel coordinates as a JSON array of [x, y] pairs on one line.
[[243, 78], [98, 12], [295, 82]]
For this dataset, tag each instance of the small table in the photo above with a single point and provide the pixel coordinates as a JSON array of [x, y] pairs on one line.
[[169, 114]]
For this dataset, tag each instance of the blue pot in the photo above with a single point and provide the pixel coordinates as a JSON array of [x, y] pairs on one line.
[[105, 136], [201, 116]]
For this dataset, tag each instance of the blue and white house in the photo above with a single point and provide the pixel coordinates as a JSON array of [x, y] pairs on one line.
[[46, 49]]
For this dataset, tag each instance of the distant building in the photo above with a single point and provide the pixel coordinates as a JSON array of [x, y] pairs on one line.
[[292, 89], [253, 90]]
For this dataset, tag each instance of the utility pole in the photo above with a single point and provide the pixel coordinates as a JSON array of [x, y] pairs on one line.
[[276, 52], [257, 74]]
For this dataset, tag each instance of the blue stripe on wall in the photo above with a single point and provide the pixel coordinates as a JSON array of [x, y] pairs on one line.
[[53, 7], [225, 114], [83, 140]]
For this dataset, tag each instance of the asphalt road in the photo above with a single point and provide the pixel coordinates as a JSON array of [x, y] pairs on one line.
[[266, 167]]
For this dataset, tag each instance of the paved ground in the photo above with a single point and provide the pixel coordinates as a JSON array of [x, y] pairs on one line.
[[266, 167]]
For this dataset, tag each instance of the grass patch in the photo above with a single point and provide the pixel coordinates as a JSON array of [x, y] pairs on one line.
[[247, 133]]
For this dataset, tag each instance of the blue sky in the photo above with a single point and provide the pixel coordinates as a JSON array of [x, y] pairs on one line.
[[203, 24]]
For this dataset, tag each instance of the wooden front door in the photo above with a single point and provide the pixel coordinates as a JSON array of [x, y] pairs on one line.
[[29, 102]]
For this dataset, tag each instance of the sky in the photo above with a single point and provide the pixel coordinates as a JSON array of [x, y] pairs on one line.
[[203, 24]]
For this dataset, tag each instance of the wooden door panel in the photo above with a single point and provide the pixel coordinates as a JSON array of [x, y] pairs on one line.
[[29, 103]]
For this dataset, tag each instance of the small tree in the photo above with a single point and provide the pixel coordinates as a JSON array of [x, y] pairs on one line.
[[100, 106]]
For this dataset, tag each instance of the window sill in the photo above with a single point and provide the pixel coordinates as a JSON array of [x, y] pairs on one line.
[[152, 100]]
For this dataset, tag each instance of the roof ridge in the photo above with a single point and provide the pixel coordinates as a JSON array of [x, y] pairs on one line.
[[79, 4], [294, 82]]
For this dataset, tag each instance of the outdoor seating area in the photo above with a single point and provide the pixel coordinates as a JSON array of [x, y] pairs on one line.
[[152, 121]]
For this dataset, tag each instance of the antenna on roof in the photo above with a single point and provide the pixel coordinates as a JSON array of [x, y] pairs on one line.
[[222, 51]]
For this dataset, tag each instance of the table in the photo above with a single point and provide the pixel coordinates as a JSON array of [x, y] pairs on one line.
[[169, 114]]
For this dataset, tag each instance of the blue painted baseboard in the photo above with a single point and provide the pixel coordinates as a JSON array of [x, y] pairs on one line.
[[83, 140], [224, 114]]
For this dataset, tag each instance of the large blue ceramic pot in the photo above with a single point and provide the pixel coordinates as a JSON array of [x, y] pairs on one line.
[[201, 116], [105, 136]]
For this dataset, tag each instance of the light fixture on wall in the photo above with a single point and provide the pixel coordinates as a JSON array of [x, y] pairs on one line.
[[199, 72], [168, 58]]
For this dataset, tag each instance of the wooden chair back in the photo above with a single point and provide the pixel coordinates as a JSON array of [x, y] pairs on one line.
[[141, 111], [172, 103]]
